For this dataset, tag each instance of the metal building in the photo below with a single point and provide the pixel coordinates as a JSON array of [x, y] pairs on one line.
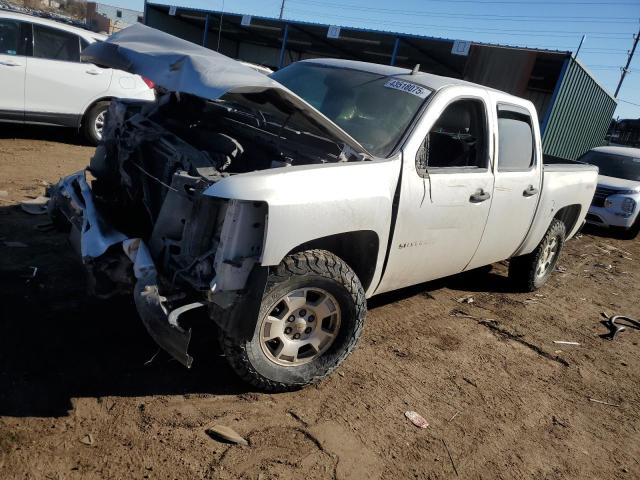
[[574, 109]]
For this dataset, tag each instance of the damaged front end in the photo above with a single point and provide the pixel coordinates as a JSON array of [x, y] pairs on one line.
[[141, 216], [143, 223], [203, 264]]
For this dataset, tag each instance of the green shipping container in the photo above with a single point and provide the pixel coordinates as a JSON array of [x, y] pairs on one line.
[[580, 114]]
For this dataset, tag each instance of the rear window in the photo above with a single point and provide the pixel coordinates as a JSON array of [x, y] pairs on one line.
[[55, 44], [515, 139]]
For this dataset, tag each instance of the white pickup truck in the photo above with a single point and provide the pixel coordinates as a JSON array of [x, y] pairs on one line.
[[280, 204]]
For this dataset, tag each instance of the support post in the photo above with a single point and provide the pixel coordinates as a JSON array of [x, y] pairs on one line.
[[625, 69], [283, 48], [394, 54], [205, 34]]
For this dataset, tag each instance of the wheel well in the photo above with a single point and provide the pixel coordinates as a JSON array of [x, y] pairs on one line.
[[569, 216], [358, 249], [91, 105]]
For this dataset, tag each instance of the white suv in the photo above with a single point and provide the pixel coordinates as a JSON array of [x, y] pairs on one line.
[[43, 81]]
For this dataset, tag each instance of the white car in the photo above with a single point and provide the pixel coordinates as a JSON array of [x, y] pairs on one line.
[[43, 81], [617, 198]]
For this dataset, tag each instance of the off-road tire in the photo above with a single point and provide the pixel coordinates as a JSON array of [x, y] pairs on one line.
[[312, 268], [522, 270], [89, 120]]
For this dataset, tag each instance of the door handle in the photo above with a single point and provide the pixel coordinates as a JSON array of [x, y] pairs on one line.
[[9, 63], [530, 191], [479, 196], [93, 72]]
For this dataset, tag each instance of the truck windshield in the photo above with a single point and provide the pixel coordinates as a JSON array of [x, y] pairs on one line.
[[618, 166], [374, 109]]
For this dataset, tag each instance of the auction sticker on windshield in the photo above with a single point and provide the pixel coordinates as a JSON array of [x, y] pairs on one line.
[[408, 87]]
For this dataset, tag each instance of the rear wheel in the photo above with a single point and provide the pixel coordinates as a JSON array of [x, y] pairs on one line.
[[311, 317], [93, 122], [529, 272]]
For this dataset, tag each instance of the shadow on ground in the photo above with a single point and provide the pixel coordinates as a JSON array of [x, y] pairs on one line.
[[69, 136], [56, 343]]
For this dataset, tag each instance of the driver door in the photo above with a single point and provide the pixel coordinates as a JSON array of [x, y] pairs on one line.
[[446, 190]]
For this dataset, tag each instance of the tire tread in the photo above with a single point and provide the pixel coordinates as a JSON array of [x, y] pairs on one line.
[[319, 262]]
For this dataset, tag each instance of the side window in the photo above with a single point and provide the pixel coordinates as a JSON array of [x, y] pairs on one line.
[[457, 140], [9, 37], [55, 44], [515, 139]]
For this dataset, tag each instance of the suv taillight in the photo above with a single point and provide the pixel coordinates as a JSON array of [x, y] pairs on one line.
[[149, 83]]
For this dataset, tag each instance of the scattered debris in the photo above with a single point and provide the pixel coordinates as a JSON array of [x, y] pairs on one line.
[[561, 269], [566, 342], [153, 357], [460, 314], [400, 353], [31, 274], [14, 244], [470, 382], [454, 416], [615, 329], [606, 266], [604, 403], [417, 419], [466, 299], [37, 206], [87, 439], [225, 434], [556, 421], [450, 458]]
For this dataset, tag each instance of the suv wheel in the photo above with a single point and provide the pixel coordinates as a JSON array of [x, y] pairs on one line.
[[94, 121], [311, 317], [529, 272]]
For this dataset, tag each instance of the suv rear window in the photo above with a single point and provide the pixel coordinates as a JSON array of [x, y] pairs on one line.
[[9, 37], [55, 44]]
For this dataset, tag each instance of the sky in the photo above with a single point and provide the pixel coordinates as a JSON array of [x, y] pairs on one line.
[[609, 26]]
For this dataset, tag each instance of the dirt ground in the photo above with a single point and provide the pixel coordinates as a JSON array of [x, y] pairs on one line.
[[79, 399]]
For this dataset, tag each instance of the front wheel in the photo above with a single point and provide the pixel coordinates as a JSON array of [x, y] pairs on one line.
[[310, 319], [529, 272]]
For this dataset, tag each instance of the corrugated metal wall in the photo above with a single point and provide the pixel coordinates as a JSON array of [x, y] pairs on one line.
[[580, 115]]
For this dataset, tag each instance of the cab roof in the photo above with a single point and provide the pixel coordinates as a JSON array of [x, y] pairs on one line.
[[429, 80]]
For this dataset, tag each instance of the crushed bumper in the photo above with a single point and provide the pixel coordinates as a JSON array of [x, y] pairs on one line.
[[92, 236]]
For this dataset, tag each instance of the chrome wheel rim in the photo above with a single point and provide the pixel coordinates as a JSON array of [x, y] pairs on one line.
[[300, 327], [98, 125], [547, 259]]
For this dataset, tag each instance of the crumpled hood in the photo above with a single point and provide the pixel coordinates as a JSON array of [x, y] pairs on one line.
[[181, 66]]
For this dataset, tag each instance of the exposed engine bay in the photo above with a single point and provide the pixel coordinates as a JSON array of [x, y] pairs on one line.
[[149, 174]]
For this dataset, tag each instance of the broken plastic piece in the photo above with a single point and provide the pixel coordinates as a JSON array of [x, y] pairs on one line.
[[226, 434], [417, 419]]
